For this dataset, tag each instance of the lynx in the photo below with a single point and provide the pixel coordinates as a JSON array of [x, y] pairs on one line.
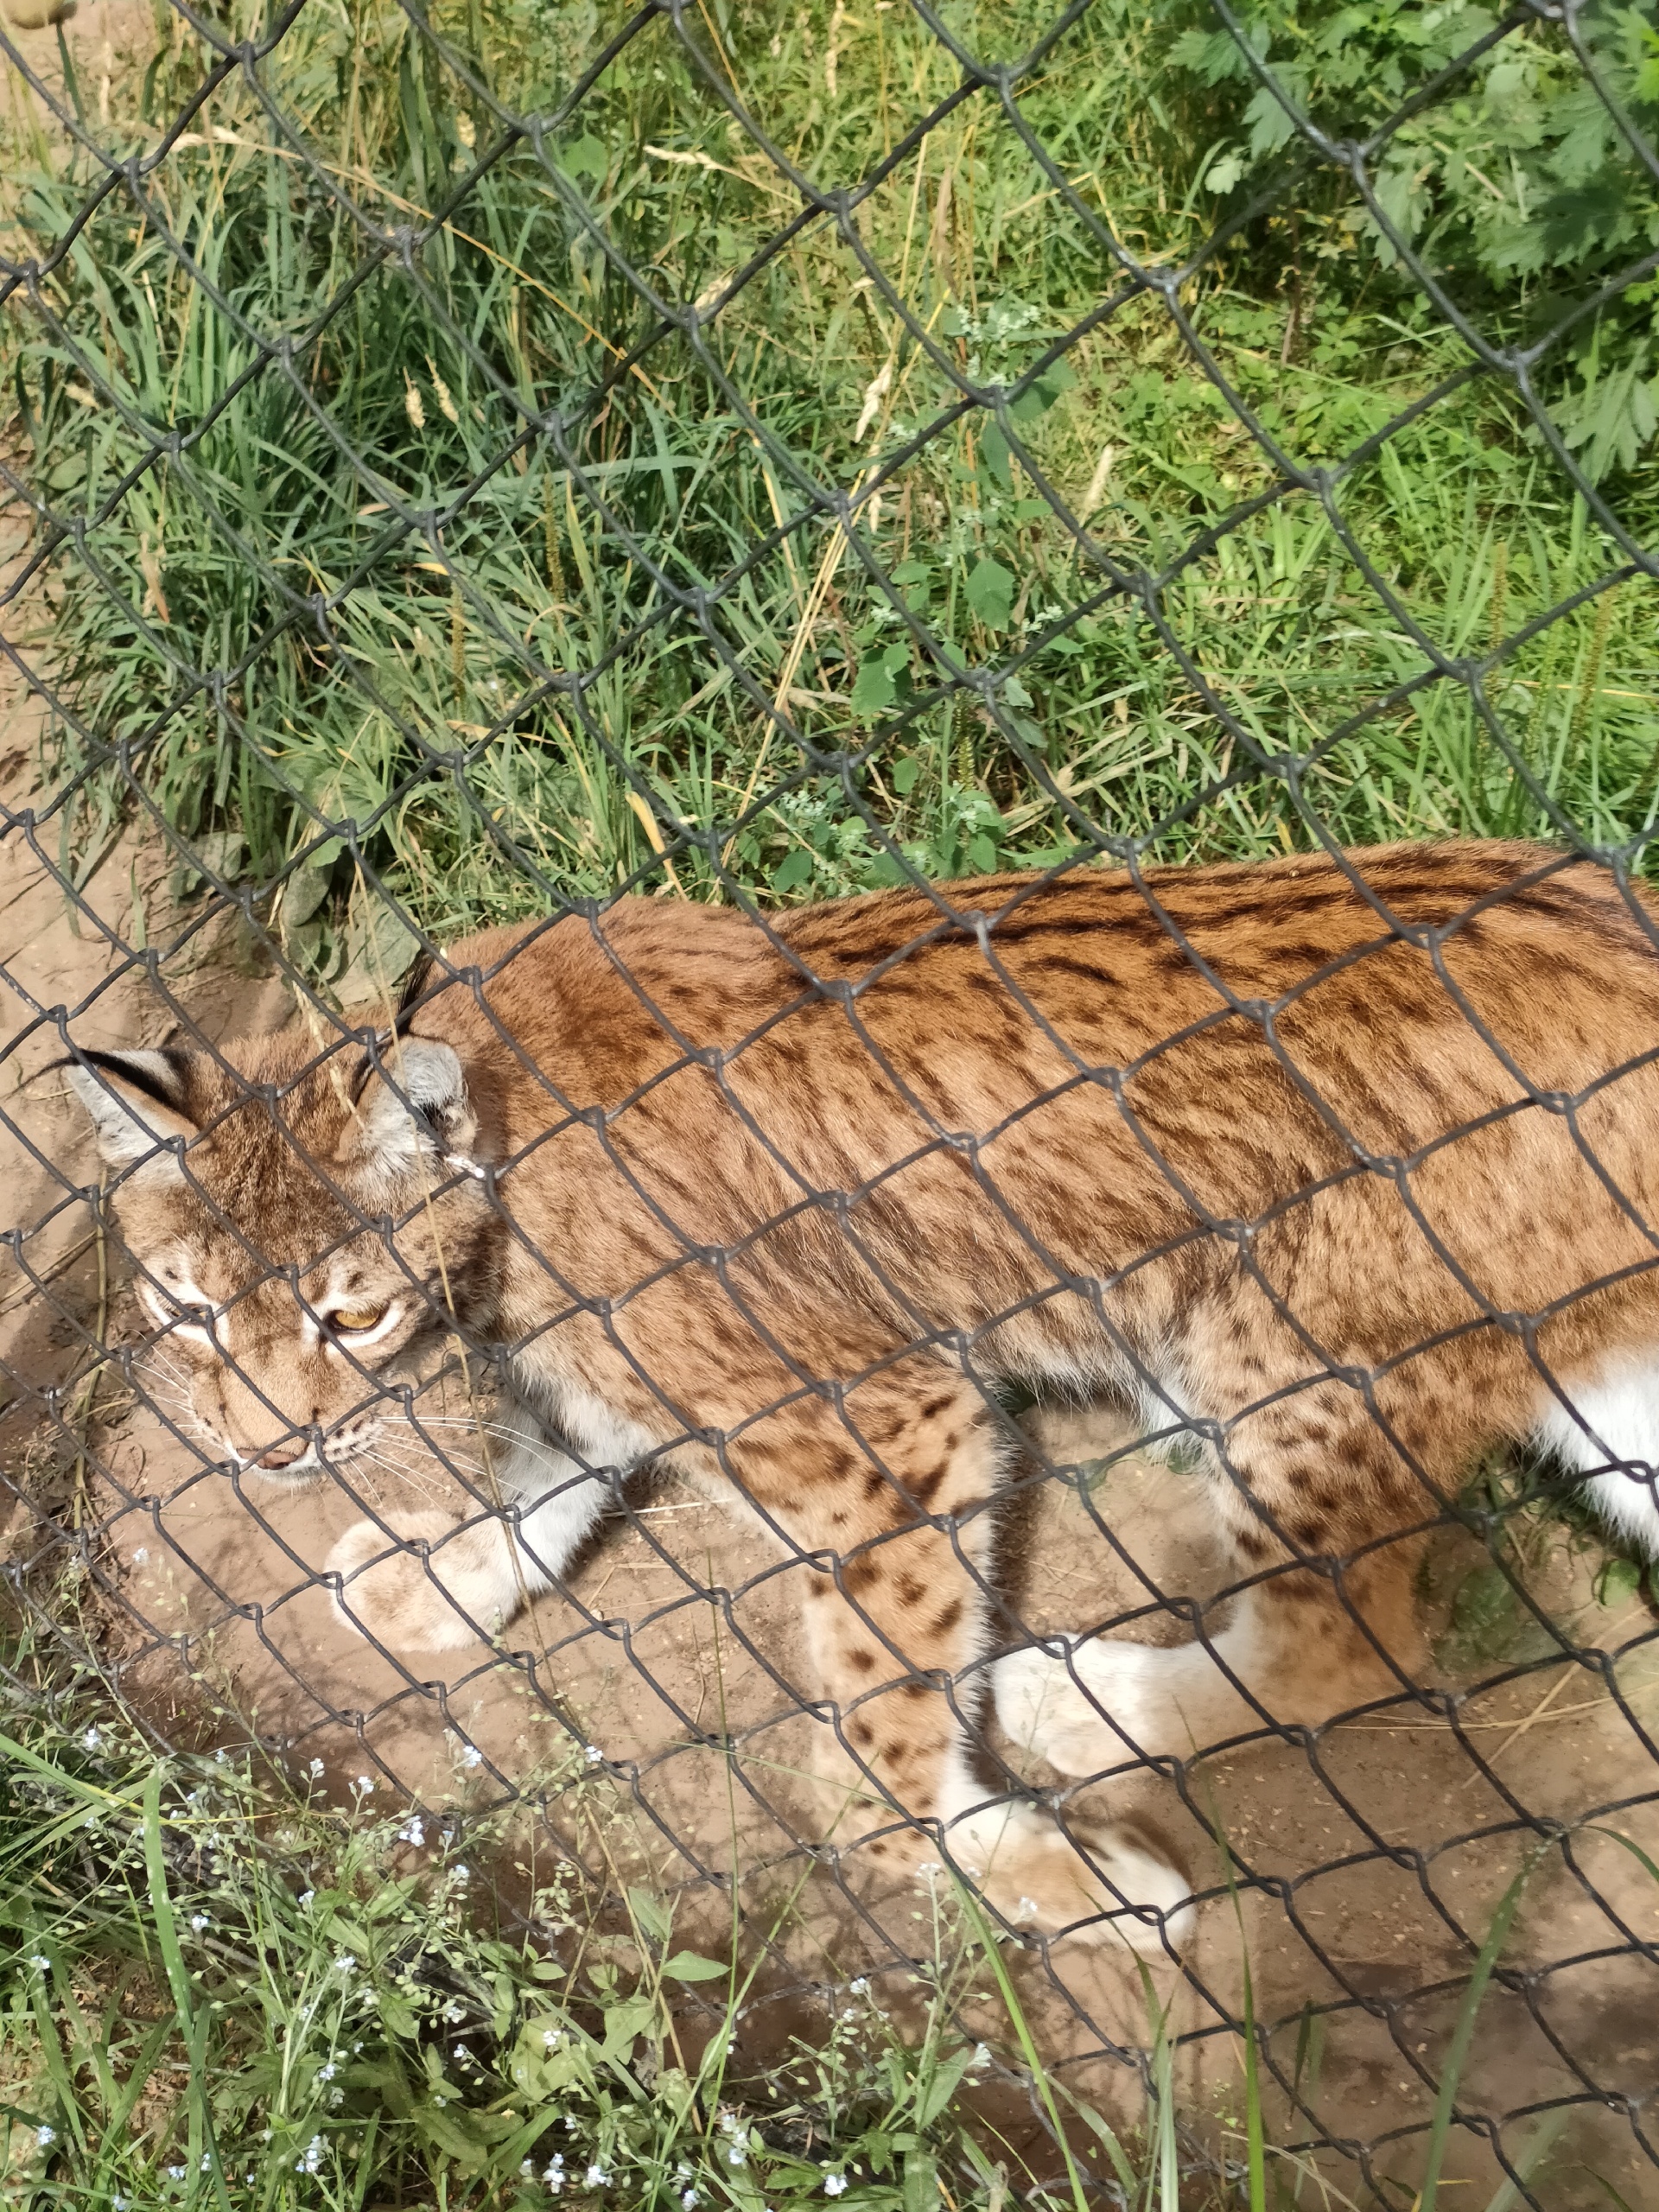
[[1338, 1171]]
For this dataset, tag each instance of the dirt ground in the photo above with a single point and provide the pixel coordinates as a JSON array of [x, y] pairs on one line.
[[1368, 1866]]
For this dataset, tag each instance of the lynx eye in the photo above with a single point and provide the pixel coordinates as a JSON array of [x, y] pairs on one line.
[[356, 1320]]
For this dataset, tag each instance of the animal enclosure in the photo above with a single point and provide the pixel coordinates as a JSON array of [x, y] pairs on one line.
[[639, 480]]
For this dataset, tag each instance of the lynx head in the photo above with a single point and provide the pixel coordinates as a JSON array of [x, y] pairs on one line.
[[298, 1225]]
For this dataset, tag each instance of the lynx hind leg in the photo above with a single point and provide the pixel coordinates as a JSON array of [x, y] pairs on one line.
[[894, 1631], [1299, 1649], [1109, 1885]]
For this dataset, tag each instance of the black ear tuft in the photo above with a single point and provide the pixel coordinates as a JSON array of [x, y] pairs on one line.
[[413, 991], [408, 1003]]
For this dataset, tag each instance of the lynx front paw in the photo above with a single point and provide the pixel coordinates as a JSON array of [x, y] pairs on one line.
[[433, 1596], [1119, 1890]]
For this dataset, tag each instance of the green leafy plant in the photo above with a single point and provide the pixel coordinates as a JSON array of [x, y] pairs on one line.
[[1512, 181]]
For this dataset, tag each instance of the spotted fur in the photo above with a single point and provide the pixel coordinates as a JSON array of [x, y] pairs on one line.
[[1341, 1175]]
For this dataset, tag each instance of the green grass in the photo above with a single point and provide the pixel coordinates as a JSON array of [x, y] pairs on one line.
[[508, 704], [216, 1991]]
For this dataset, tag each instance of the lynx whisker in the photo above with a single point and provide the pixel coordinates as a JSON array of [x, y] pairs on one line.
[[515, 1436]]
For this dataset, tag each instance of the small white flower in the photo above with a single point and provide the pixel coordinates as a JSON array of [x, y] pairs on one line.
[[199, 1921], [452, 2012], [461, 1873], [835, 2185], [305, 1899], [207, 2166], [461, 2054], [39, 1959], [1028, 1909], [412, 1832], [597, 2178], [140, 1555], [363, 1785], [346, 1964], [929, 1871], [118, 2204], [326, 2073], [981, 2055], [859, 1988], [549, 2038], [554, 2178], [175, 2173], [594, 1754], [735, 2156], [687, 2198], [313, 2157], [45, 2135], [471, 1756], [92, 1738], [315, 1770]]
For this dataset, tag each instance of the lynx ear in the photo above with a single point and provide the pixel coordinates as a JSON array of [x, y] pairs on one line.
[[386, 1137], [137, 1102]]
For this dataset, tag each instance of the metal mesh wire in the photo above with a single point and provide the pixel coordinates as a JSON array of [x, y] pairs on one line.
[[672, 1725]]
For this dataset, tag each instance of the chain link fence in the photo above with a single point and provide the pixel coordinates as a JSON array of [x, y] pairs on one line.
[[1157, 1309]]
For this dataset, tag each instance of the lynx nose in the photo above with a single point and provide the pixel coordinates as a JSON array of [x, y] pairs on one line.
[[284, 1455]]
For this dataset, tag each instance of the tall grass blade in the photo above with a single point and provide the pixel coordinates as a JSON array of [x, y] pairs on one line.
[[1463, 2034], [975, 1913]]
